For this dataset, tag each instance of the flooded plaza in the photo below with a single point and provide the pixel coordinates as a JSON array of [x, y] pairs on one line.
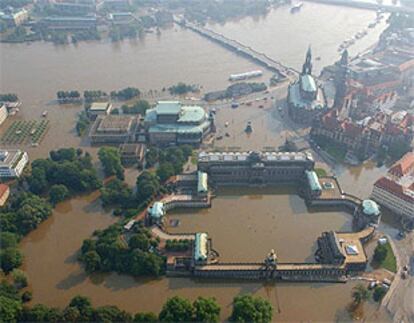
[[243, 225]]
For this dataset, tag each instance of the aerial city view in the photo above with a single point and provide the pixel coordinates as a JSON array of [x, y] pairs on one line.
[[206, 160]]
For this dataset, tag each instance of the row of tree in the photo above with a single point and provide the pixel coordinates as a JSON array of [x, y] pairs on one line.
[[176, 309], [140, 107], [126, 94], [9, 97]]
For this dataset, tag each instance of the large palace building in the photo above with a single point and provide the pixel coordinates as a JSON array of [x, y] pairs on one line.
[[254, 168]]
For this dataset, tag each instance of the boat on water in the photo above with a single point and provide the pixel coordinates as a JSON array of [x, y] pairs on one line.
[[44, 114], [249, 128], [246, 75], [296, 7]]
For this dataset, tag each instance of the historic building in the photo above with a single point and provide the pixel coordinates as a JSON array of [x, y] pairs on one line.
[[171, 122], [366, 136], [254, 168], [306, 99], [395, 191]]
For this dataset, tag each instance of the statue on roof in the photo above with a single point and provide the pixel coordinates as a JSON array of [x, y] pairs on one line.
[[307, 66]]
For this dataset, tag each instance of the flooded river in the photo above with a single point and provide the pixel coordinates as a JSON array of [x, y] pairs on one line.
[[244, 226]]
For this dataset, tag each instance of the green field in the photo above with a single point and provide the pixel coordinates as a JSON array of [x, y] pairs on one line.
[[22, 132], [390, 262]]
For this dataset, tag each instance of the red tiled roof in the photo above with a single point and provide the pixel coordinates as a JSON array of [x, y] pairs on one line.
[[3, 189], [393, 188], [403, 166]]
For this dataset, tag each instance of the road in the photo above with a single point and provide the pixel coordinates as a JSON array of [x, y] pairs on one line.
[[399, 300]]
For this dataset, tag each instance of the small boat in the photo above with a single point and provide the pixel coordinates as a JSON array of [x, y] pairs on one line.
[[234, 105], [296, 7], [44, 113], [227, 134], [318, 58], [226, 124], [249, 128]]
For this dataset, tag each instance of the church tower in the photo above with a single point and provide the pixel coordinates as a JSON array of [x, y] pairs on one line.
[[307, 66]]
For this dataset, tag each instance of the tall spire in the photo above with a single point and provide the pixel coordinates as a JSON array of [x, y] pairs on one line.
[[307, 66]]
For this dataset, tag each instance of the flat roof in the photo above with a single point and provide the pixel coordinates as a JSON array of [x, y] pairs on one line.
[[115, 123], [99, 106], [168, 107]]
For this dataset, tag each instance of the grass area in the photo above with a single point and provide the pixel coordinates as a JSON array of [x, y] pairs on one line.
[[336, 152], [194, 157], [321, 172], [21, 131], [390, 262]]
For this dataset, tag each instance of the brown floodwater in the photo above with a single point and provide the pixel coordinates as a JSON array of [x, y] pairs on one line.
[[243, 226], [277, 216]]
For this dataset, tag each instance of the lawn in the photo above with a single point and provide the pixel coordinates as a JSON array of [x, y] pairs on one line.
[[320, 172], [390, 262]]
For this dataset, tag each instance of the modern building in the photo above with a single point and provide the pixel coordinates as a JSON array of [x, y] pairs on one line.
[[113, 129], [395, 191], [12, 163], [132, 153], [99, 109], [170, 123], [4, 194], [254, 168], [3, 113], [306, 99], [200, 254], [14, 17]]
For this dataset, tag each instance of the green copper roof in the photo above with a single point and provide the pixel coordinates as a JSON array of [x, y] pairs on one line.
[[308, 83], [313, 181], [192, 114], [157, 210], [202, 185], [370, 207], [168, 107], [200, 247]]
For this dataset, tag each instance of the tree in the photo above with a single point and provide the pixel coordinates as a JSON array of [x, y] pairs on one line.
[[116, 192], [110, 314], [177, 309], [8, 240], [10, 258], [92, 261], [360, 294], [206, 310], [84, 306], [247, 308], [145, 317], [19, 277], [380, 253], [140, 241], [165, 171], [58, 193], [147, 185], [379, 293], [9, 309], [111, 162]]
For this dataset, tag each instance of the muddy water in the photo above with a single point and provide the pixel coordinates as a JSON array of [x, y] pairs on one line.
[[36, 71], [238, 217], [55, 276]]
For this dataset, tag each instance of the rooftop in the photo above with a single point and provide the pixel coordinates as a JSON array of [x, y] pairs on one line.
[[168, 107], [308, 83], [370, 207], [113, 123], [297, 100], [249, 155], [99, 106]]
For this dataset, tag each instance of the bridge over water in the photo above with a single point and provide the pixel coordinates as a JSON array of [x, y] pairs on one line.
[[365, 5], [240, 49]]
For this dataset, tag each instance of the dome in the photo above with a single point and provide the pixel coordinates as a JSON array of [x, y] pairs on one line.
[[369, 207]]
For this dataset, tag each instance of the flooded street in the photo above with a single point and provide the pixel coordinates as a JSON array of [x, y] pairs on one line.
[[243, 227]]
